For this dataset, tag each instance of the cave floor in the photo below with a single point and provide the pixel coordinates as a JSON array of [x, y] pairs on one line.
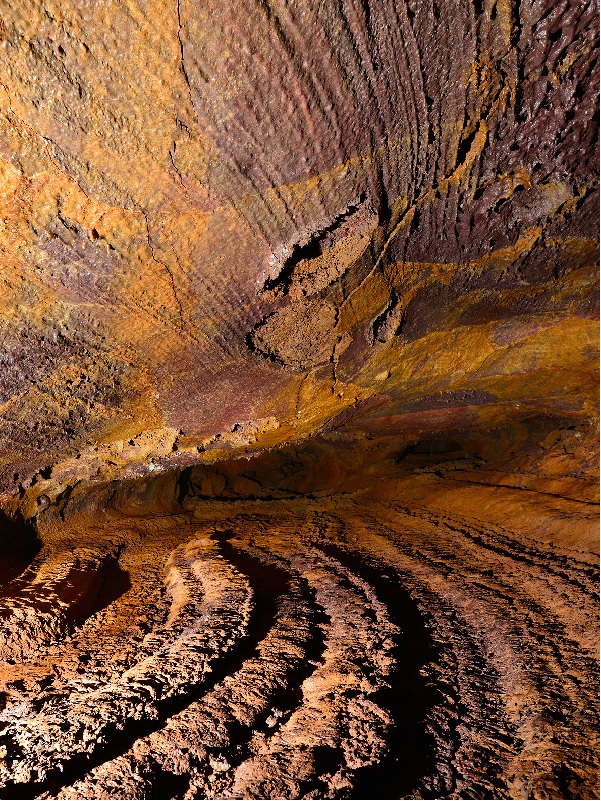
[[399, 642]]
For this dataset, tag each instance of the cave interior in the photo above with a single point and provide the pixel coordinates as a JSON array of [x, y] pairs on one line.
[[299, 442]]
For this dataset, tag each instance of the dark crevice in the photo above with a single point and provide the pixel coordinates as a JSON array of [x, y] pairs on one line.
[[326, 761], [19, 545], [317, 244], [465, 146], [254, 348], [409, 698], [184, 484], [389, 323], [167, 785]]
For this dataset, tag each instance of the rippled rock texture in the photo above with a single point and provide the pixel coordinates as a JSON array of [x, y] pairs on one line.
[[298, 391], [429, 633]]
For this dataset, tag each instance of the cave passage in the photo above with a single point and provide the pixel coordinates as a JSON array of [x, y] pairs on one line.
[[299, 399]]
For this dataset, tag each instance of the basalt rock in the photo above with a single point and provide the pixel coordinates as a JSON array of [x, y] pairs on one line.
[[298, 387]]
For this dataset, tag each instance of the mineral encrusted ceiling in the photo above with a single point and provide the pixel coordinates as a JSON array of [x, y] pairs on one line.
[[298, 393]]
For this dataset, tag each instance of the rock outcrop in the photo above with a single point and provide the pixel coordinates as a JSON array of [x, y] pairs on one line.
[[298, 387]]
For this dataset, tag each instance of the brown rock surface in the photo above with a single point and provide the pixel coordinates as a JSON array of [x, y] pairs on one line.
[[298, 388]]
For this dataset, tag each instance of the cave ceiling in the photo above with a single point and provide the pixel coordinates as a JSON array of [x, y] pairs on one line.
[[225, 227]]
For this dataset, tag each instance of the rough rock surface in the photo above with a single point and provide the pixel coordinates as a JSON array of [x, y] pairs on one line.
[[429, 630], [298, 399], [225, 223]]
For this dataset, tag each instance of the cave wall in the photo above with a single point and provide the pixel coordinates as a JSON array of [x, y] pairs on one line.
[[226, 224]]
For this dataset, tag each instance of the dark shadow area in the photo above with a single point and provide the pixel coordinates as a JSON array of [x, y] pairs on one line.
[[19, 545], [88, 591], [83, 592], [410, 697], [115, 583], [166, 785]]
